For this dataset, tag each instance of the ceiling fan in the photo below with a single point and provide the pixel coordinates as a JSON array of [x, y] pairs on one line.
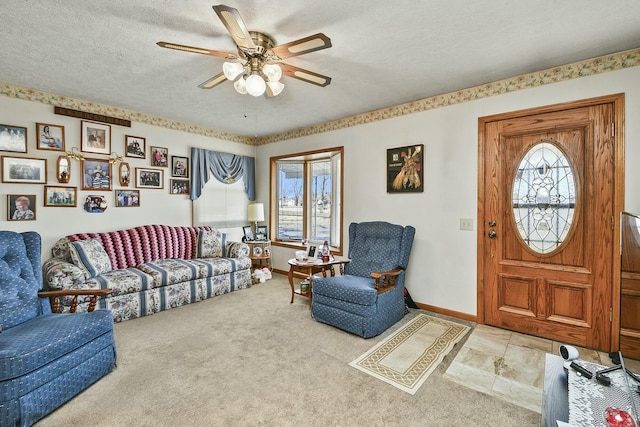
[[257, 66]]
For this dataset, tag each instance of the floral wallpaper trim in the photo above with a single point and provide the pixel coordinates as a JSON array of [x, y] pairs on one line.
[[599, 65]]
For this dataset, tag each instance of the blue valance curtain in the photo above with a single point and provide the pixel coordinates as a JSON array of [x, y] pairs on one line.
[[225, 167]]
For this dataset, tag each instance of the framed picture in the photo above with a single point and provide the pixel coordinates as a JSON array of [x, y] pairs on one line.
[[149, 178], [50, 137], [135, 146], [24, 171], [159, 157], [248, 234], [257, 251], [261, 232], [21, 207], [127, 198], [13, 138], [95, 203], [60, 196], [96, 174], [180, 166], [179, 186], [312, 252], [95, 137], [405, 169], [125, 174]]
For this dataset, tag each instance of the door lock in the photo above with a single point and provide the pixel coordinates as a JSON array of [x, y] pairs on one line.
[[492, 223], [492, 234]]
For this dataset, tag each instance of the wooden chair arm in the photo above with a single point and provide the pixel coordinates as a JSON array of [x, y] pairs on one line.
[[54, 297], [386, 280]]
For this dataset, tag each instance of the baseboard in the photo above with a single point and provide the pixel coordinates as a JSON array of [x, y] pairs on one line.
[[446, 312]]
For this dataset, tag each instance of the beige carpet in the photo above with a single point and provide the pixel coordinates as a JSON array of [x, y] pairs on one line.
[[250, 358], [407, 358]]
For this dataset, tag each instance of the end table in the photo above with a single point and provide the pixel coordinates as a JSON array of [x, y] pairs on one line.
[[260, 253]]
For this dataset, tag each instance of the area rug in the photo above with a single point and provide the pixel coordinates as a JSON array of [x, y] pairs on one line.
[[406, 358]]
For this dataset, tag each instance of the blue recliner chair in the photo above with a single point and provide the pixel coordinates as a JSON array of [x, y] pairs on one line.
[[45, 359], [369, 297]]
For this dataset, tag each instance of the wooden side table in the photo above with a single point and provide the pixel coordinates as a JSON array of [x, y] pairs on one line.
[[310, 268], [260, 253]]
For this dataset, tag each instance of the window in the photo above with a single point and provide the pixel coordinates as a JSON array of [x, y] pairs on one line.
[[306, 196]]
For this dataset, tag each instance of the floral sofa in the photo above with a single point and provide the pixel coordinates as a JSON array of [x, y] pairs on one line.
[[149, 268]]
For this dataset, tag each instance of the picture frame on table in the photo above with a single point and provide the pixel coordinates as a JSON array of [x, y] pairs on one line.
[[135, 146], [257, 251], [127, 198], [57, 196], [21, 207], [50, 137], [95, 137], [247, 234], [96, 174], [22, 170], [13, 138], [261, 233], [149, 178], [405, 169], [159, 156], [179, 167], [312, 252], [179, 186]]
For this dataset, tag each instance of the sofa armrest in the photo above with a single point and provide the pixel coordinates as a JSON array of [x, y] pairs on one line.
[[237, 250], [54, 298], [386, 280], [59, 274]]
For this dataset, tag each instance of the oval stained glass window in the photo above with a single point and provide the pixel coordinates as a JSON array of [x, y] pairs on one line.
[[544, 198]]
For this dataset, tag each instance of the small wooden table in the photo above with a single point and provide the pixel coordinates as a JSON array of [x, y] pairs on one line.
[[310, 268]]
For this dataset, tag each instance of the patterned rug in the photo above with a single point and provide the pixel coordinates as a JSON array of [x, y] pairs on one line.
[[406, 358]]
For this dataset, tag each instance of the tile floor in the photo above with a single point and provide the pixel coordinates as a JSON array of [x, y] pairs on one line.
[[510, 366]]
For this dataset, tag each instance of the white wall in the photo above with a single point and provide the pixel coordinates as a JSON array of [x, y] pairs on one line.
[[442, 270], [156, 206]]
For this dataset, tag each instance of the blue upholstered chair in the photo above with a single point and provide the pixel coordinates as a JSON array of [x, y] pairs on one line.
[[369, 297], [45, 359]]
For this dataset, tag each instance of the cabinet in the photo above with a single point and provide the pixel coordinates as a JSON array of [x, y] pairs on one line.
[[260, 253]]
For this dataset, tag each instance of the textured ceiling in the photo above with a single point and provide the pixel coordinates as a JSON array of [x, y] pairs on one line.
[[384, 53]]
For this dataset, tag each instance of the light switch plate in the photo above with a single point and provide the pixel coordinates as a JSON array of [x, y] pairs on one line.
[[466, 224]]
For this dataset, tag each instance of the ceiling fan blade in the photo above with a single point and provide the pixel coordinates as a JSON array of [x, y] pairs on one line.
[[305, 75], [232, 20], [300, 47], [200, 50], [213, 81]]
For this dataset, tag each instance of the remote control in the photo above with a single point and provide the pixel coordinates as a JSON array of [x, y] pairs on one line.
[[582, 370]]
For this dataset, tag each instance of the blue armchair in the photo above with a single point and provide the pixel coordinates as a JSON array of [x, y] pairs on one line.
[[369, 297], [45, 359]]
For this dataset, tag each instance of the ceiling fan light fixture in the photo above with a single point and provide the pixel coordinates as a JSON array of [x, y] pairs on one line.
[[272, 71], [274, 88], [241, 86], [232, 70], [255, 85]]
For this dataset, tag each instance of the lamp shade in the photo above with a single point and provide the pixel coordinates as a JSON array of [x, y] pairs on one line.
[[256, 212], [255, 85], [274, 88], [232, 70], [272, 71], [241, 86]]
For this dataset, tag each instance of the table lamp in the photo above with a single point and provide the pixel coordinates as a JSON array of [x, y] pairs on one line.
[[255, 214]]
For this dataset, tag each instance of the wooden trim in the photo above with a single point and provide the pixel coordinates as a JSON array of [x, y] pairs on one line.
[[446, 312], [84, 115], [618, 102]]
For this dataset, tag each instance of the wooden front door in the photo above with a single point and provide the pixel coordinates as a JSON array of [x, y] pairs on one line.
[[548, 227]]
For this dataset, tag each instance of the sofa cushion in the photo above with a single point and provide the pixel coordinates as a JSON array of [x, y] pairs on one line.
[[351, 289], [170, 271], [43, 339], [90, 256], [210, 244], [210, 267]]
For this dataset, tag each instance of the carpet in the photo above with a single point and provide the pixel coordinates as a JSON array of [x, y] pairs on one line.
[[407, 357]]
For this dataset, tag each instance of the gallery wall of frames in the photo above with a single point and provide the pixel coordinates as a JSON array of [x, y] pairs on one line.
[[62, 175], [98, 164]]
